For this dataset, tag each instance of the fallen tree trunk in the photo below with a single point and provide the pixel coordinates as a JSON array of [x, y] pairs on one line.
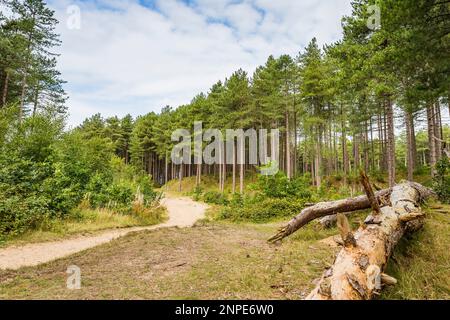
[[329, 221], [323, 209], [357, 272]]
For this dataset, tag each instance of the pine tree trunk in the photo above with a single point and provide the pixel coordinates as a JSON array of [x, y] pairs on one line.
[[438, 130], [385, 141], [36, 101], [413, 143], [380, 142], [166, 178], [431, 140], [366, 148], [391, 141], [372, 146], [356, 152], [224, 176], [242, 173], [22, 98], [409, 151], [173, 172], [345, 158], [150, 164], [317, 165], [295, 142], [199, 175], [234, 169], [220, 169], [288, 147], [180, 177], [5, 88]]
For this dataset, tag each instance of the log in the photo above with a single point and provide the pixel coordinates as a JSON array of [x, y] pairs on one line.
[[347, 206], [357, 273], [330, 221], [323, 209]]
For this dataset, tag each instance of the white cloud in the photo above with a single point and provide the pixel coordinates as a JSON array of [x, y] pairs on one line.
[[128, 58]]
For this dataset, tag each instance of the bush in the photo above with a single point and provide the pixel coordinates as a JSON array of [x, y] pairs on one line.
[[441, 182], [197, 193], [120, 195], [376, 176], [279, 186], [214, 197], [45, 175], [145, 186], [19, 214], [24, 200], [262, 211]]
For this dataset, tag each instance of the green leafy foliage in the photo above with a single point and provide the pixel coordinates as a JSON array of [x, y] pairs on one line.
[[279, 186], [262, 211], [45, 174], [441, 182], [214, 197]]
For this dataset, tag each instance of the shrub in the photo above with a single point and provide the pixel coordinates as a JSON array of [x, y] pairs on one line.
[[262, 211], [376, 176], [145, 185], [279, 186], [441, 182], [24, 200], [19, 214], [197, 193], [120, 195], [214, 197]]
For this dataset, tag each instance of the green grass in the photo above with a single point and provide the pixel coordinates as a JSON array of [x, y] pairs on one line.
[[421, 262]]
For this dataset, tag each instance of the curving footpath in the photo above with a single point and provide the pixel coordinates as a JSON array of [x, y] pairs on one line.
[[183, 213]]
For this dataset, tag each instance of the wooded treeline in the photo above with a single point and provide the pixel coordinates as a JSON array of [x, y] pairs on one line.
[[337, 107], [48, 173], [28, 61]]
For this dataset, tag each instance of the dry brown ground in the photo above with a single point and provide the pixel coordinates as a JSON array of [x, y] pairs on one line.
[[228, 261], [210, 261]]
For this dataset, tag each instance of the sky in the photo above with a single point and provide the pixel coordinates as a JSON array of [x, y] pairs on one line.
[[136, 56]]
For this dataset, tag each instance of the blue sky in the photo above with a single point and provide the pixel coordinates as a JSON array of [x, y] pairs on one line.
[[136, 56]]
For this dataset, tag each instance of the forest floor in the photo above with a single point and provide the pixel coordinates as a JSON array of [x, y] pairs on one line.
[[183, 212], [220, 260]]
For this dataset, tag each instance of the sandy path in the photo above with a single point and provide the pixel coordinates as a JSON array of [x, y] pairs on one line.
[[183, 212]]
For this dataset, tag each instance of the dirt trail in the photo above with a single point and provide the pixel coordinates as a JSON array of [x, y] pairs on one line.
[[183, 212]]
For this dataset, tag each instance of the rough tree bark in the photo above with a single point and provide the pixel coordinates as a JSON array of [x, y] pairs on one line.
[[345, 159], [409, 146], [438, 130], [431, 140], [357, 273], [242, 168], [390, 141], [5, 89], [288, 147]]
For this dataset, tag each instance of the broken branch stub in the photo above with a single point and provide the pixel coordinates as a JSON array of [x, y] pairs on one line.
[[370, 194]]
